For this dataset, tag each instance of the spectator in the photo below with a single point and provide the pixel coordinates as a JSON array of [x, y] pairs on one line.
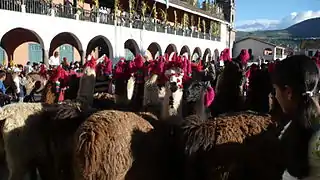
[[54, 60], [2, 78], [28, 68]]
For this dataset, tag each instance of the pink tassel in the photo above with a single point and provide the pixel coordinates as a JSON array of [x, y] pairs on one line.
[[209, 96]]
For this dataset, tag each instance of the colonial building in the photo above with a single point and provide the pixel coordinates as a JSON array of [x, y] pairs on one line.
[[259, 48], [34, 29], [309, 46]]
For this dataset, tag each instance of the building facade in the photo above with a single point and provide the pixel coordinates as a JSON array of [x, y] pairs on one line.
[[309, 47], [260, 48], [34, 30]]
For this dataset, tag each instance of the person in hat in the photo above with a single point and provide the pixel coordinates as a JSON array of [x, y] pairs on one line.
[[54, 60]]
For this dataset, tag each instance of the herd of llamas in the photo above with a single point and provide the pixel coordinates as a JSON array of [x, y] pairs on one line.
[[172, 126]]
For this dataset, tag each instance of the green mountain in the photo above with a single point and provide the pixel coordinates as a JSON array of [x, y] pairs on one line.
[[289, 37]]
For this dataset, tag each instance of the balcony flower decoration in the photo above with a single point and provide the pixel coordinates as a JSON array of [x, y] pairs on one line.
[[185, 20], [144, 8], [215, 29], [199, 24], [117, 8], [204, 25], [131, 8], [154, 12], [163, 16], [192, 22], [175, 19]]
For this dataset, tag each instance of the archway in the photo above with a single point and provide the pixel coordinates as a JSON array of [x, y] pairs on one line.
[[185, 51], [65, 43], [155, 50], [28, 46], [196, 54], [171, 50], [206, 55], [131, 49], [100, 45]]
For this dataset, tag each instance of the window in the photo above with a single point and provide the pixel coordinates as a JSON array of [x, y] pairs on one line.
[[268, 52], [310, 53], [279, 53]]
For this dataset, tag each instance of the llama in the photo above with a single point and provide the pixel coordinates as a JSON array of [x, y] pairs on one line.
[[198, 98], [31, 125], [108, 142], [259, 88], [103, 148], [124, 83], [171, 104], [153, 94], [241, 145], [229, 96]]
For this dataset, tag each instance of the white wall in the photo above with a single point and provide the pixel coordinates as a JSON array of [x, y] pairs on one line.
[[256, 46], [306, 51], [48, 27]]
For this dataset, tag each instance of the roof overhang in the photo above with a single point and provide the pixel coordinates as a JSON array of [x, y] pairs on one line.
[[193, 12]]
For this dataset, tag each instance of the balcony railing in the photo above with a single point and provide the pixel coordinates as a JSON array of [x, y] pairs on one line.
[[62, 11]]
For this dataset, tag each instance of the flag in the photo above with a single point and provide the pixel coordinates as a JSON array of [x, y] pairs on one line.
[[167, 3]]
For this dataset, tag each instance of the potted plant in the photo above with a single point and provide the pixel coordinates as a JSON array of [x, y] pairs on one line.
[[144, 8]]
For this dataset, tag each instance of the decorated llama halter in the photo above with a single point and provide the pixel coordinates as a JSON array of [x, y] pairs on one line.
[[175, 75]]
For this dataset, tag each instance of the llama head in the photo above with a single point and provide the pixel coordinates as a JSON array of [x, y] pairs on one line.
[[198, 96], [171, 105], [175, 78]]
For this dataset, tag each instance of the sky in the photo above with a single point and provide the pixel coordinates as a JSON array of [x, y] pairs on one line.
[[273, 14]]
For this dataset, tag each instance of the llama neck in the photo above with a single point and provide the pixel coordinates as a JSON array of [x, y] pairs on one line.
[[172, 108], [151, 92], [86, 87]]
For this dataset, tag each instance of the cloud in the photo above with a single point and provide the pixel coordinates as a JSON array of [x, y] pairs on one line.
[[267, 24]]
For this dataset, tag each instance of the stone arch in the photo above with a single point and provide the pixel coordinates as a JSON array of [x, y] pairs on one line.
[[66, 38], [101, 45], [196, 54], [131, 49], [185, 51], [171, 50], [207, 55], [155, 50], [9, 42]]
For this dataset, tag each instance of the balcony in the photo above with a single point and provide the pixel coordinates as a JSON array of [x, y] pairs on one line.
[[212, 10], [61, 11]]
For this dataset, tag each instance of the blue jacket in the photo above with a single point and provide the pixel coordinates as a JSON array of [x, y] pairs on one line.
[[2, 88]]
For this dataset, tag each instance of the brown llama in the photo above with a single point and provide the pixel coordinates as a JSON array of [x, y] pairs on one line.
[[103, 145], [33, 125], [241, 145], [229, 90], [109, 146]]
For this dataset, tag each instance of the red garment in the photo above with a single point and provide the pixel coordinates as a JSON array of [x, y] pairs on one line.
[[225, 55], [244, 56]]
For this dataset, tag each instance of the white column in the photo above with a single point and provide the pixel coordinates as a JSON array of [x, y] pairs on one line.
[[45, 57], [23, 8]]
